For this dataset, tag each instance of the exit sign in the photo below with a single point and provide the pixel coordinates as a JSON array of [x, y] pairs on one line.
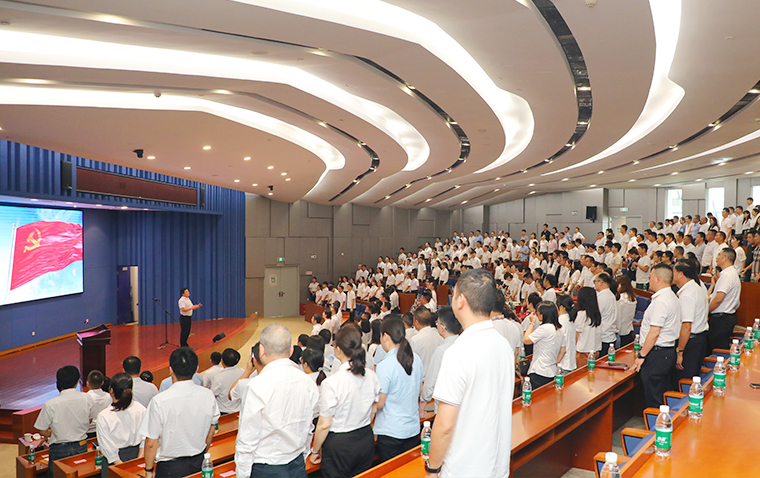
[[279, 259], [623, 209]]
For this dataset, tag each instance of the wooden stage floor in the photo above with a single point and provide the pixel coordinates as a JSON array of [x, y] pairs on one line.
[[27, 379]]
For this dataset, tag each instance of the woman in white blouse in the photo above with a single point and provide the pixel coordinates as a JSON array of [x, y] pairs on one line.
[[117, 426], [587, 322], [343, 440], [549, 344], [444, 277], [741, 256], [436, 272], [626, 309], [312, 361], [567, 316]]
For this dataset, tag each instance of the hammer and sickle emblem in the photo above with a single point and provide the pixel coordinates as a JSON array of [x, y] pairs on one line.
[[35, 242]]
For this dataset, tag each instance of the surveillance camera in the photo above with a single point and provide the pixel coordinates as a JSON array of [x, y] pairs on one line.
[[138, 152], [157, 94], [590, 3], [271, 188]]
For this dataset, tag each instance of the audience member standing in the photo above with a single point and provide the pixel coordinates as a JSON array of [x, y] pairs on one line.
[[724, 301], [427, 338], [64, 420], [216, 367], [659, 331], [142, 391], [100, 399], [397, 425], [179, 424], [343, 440], [608, 308], [222, 382], [275, 425], [473, 427], [449, 328], [626, 305], [588, 322], [694, 303], [548, 339], [567, 316], [119, 424]]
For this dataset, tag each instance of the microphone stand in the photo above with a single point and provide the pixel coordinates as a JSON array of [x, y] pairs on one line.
[[166, 325]]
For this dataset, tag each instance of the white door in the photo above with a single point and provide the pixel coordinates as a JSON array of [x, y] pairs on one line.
[[281, 291]]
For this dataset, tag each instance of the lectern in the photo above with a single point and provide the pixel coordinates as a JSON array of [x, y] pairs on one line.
[[92, 350]]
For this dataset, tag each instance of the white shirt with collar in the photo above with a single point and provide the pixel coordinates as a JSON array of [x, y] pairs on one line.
[[100, 401], [185, 303], [276, 423], [547, 343], [348, 398], [472, 377], [608, 309], [120, 429], [424, 343], [68, 416], [728, 283], [665, 312], [181, 417], [208, 375], [510, 330], [221, 385], [695, 304], [431, 373], [143, 391], [708, 253]]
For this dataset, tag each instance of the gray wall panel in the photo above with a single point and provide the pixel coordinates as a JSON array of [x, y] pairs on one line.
[[279, 219]]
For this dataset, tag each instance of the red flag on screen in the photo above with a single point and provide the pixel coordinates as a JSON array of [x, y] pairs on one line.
[[43, 247]]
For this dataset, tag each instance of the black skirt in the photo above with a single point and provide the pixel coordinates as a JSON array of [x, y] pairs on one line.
[[348, 454]]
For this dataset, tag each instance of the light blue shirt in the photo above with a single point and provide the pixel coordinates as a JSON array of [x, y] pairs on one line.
[[380, 355], [167, 382], [400, 416]]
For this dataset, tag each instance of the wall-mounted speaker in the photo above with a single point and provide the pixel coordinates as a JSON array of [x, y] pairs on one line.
[[202, 197], [591, 213], [67, 176]]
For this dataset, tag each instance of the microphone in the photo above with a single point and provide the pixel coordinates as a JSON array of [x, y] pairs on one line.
[[155, 300]]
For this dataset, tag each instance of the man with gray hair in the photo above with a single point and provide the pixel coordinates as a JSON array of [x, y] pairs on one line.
[[660, 329], [724, 301], [276, 422]]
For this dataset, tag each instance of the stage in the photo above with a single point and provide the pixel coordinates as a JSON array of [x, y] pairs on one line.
[[28, 377]]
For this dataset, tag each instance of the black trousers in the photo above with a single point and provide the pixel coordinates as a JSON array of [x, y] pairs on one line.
[[389, 447], [626, 339], [347, 454], [294, 469], [656, 373], [185, 321], [179, 467], [125, 454], [693, 355], [537, 380], [606, 348], [59, 451], [719, 334]]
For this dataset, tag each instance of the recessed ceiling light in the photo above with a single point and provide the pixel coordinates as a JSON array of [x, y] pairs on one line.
[[387, 197], [430, 177], [698, 180], [631, 180], [749, 172], [636, 162], [284, 174], [656, 185], [498, 179], [270, 167], [721, 164], [288, 179], [428, 200], [716, 127], [593, 186], [408, 185], [69, 202], [35, 200], [464, 202], [583, 122], [457, 186], [453, 122], [247, 158], [524, 171], [270, 194], [124, 207], [674, 173], [151, 157], [531, 184], [569, 145], [255, 184], [237, 180], [532, 192], [206, 148], [99, 205], [584, 88], [187, 167], [1, 129], [565, 179], [600, 172], [755, 91], [495, 190]]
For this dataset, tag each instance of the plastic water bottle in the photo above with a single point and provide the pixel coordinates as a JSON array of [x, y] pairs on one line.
[[663, 432], [98, 458], [216, 427], [734, 358], [637, 343], [591, 363], [611, 353], [749, 341], [696, 396], [527, 392], [756, 331], [719, 376], [207, 468], [425, 440], [31, 456], [610, 468], [559, 379]]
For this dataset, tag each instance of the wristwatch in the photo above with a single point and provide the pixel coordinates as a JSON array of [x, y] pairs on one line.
[[638, 354], [151, 470], [313, 452], [432, 470]]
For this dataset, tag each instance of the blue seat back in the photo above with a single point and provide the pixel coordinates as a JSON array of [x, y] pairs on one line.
[[634, 443], [642, 303], [720, 354], [706, 376], [676, 403], [651, 419], [709, 364], [685, 387]]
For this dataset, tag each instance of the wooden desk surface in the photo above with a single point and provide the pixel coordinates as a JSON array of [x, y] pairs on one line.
[[731, 420], [553, 415]]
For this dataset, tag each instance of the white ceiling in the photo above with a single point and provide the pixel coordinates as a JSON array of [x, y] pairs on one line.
[[715, 63]]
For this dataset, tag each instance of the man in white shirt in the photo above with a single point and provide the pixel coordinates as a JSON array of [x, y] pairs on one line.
[[708, 254], [142, 391], [473, 425], [660, 329], [216, 360], [401, 255], [223, 381], [509, 329], [724, 301], [449, 328], [692, 342], [600, 240], [642, 266], [427, 338], [276, 422], [100, 399], [608, 308], [722, 240], [577, 235], [727, 223], [64, 420], [181, 419]]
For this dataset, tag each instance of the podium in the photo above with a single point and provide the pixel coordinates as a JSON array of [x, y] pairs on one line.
[[92, 350]]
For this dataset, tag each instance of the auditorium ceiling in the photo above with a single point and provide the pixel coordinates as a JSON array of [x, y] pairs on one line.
[[412, 103]]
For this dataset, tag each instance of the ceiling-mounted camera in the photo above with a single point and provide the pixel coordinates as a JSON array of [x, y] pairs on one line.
[[138, 152]]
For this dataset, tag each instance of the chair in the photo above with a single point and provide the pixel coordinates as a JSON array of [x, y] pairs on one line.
[[642, 303], [650, 417], [633, 439], [676, 400], [599, 461]]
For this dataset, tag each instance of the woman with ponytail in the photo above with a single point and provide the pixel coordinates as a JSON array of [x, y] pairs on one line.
[[567, 314], [117, 426], [398, 418], [343, 440]]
